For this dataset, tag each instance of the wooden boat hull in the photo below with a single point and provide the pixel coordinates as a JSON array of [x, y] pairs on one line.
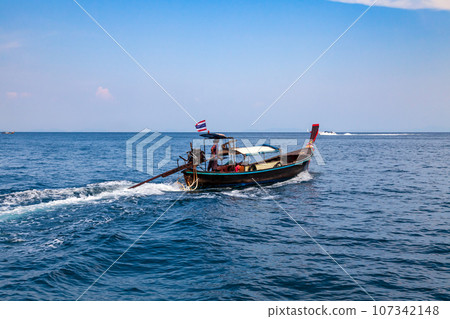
[[245, 172], [220, 179]]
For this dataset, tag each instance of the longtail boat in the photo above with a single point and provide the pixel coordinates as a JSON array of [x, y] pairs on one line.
[[239, 170]]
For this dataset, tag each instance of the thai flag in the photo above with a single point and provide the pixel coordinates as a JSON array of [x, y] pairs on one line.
[[201, 126]]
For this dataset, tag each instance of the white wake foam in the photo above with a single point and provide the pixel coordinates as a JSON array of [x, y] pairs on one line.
[[300, 178], [256, 192], [48, 199], [22, 202]]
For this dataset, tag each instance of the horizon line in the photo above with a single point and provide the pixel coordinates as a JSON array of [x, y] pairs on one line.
[[341, 132]]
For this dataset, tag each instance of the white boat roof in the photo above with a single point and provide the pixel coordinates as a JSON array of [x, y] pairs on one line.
[[253, 150]]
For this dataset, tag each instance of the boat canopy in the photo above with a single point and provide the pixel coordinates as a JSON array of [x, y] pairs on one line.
[[254, 150], [214, 136]]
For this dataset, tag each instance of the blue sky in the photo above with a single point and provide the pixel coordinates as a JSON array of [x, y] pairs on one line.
[[225, 62]]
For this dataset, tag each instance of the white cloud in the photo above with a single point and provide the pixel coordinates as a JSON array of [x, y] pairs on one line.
[[103, 93], [9, 46], [405, 4], [12, 95]]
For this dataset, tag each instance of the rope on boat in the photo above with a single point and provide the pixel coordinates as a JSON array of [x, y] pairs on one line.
[[190, 187]]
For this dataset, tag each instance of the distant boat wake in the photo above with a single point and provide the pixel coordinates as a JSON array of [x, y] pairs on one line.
[[377, 134], [366, 134]]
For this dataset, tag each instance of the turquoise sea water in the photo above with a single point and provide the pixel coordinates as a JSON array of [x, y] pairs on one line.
[[379, 206]]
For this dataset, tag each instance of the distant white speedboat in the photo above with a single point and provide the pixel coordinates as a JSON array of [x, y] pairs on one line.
[[327, 133]]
